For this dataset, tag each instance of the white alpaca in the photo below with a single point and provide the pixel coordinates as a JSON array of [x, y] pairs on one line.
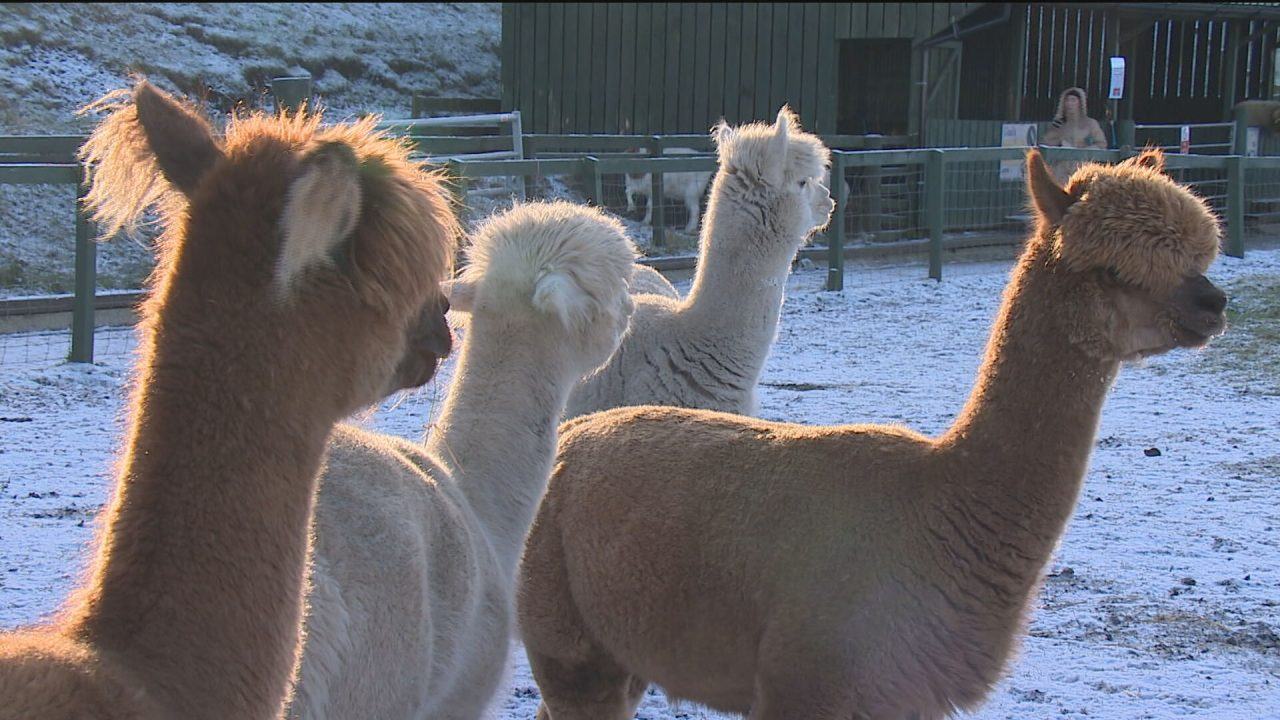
[[687, 186], [647, 281], [707, 351], [416, 547]]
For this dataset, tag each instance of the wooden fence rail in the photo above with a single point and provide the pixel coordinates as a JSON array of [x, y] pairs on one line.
[[51, 161]]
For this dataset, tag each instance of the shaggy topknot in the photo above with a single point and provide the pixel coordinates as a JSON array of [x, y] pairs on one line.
[[746, 149], [535, 249], [1135, 220], [405, 206]]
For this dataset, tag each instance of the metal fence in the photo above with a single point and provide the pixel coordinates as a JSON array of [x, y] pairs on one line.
[[935, 197], [962, 193]]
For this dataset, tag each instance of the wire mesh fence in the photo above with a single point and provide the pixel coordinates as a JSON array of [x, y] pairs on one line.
[[883, 203], [978, 200], [630, 196], [45, 347], [1261, 210], [930, 196], [1208, 183]]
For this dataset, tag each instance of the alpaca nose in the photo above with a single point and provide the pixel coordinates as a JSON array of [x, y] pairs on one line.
[[1211, 299]]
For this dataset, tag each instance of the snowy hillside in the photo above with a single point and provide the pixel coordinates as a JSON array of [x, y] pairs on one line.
[[55, 58], [1162, 602], [364, 57]]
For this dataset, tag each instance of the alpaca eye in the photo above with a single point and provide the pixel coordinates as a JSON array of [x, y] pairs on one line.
[[803, 183]]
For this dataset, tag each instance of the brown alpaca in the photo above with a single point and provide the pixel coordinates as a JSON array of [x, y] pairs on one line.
[[861, 571], [298, 281]]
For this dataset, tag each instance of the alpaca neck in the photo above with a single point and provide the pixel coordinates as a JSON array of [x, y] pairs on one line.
[[1021, 446], [742, 273], [497, 430], [198, 582]]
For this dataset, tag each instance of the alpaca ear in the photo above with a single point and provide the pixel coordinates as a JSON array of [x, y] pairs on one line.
[[1050, 200], [720, 133], [1151, 158], [556, 292], [181, 140], [460, 293], [320, 212], [778, 145]]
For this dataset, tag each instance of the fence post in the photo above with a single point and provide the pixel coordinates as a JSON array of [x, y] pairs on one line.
[[591, 180], [86, 281], [657, 206], [291, 92], [835, 233], [933, 196], [457, 184], [1240, 133], [1235, 206], [517, 146], [1125, 134]]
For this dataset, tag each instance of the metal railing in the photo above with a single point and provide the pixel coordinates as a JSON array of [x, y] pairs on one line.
[[923, 196], [934, 188], [1203, 138]]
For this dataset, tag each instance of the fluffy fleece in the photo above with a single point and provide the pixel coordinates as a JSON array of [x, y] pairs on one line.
[[792, 571], [1137, 221], [416, 547], [708, 350]]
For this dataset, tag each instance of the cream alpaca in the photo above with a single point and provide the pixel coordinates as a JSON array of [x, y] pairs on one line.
[[707, 351], [647, 281], [253, 344], [785, 571], [416, 547]]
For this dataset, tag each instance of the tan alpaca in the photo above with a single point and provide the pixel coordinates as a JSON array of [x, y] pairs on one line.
[[416, 547], [280, 304], [863, 571], [708, 350]]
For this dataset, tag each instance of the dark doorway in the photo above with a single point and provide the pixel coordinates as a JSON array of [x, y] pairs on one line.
[[875, 86]]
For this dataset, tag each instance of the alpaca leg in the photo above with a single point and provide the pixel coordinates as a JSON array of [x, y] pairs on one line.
[[693, 203], [648, 211], [579, 680], [803, 676], [598, 689]]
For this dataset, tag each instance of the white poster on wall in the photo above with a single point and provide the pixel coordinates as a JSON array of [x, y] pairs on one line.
[[1275, 75], [1116, 90], [1015, 135]]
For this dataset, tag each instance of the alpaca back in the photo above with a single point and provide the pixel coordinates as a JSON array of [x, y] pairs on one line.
[[667, 358], [409, 542], [647, 281]]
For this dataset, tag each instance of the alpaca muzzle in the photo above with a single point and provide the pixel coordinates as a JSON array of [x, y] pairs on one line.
[[428, 341], [1201, 307]]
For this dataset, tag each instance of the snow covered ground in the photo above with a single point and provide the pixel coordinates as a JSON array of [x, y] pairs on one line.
[[1163, 600]]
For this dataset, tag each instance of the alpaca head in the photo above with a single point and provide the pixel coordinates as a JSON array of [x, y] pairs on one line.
[[777, 169], [320, 248], [559, 270], [1135, 246]]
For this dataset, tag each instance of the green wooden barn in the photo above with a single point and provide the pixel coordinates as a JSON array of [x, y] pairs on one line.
[[887, 68]]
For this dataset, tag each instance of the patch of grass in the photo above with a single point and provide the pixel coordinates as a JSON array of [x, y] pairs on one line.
[[677, 243], [1250, 349], [15, 273]]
